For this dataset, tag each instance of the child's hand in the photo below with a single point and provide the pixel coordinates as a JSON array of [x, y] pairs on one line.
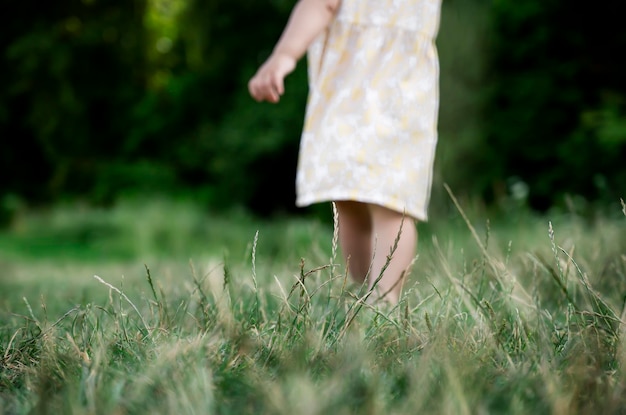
[[268, 83]]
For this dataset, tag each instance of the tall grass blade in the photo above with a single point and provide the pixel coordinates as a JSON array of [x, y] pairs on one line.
[[122, 295]]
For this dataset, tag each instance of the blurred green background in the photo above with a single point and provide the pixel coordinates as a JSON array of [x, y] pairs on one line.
[[105, 99]]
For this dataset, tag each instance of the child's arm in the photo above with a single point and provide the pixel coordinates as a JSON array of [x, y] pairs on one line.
[[307, 20]]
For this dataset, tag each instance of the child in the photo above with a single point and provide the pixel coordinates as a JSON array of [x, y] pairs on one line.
[[371, 123]]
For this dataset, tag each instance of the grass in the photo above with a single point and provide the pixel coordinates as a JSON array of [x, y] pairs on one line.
[[158, 307]]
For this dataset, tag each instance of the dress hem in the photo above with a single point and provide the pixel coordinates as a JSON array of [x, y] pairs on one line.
[[381, 200]]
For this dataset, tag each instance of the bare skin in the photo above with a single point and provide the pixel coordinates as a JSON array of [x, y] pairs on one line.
[[367, 232], [367, 235], [308, 19]]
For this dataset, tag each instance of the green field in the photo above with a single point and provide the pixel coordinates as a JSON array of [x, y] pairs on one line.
[[160, 307]]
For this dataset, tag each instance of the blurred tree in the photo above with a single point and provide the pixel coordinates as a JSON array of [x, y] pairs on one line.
[[71, 73], [557, 104], [104, 96], [217, 139]]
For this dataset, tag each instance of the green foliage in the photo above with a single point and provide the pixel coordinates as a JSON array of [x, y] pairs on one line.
[[554, 118], [148, 228], [71, 73], [101, 99]]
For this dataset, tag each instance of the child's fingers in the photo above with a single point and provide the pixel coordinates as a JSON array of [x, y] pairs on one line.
[[267, 92], [255, 87], [271, 95], [252, 89], [264, 94], [268, 83], [266, 88], [278, 84]]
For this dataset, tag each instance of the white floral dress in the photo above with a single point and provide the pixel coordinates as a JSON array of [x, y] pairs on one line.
[[371, 122]]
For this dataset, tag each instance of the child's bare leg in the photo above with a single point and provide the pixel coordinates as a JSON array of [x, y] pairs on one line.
[[385, 226], [355, 237]]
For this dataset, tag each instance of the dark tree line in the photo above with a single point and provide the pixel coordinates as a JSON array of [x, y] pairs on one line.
[[556, 110], [96, 103]]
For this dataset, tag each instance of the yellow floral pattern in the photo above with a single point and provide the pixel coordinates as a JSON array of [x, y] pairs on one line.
[[371, 122]]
